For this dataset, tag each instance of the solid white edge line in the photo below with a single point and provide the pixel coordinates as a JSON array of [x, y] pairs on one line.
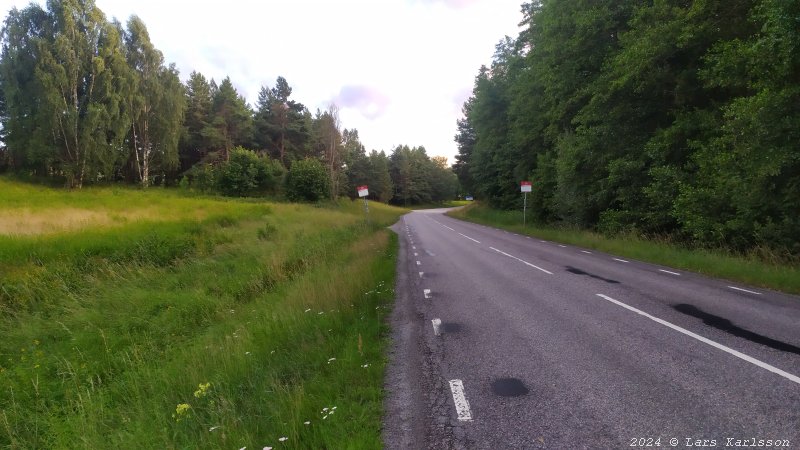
[[745, 290], [667, 271], [421, 274], [733, 352], [427, 293], [522, 261], [436, 324], [460, 401], [451, 229], [620, 260], [473, 240]]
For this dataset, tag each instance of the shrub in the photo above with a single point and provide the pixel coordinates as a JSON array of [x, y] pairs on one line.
[[247, 173], [307, 181]]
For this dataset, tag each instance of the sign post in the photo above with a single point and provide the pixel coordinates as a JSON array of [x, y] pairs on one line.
[[363, 192], [525, 187]]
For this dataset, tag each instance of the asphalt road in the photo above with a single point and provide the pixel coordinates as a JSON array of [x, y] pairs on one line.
[[504, 341]]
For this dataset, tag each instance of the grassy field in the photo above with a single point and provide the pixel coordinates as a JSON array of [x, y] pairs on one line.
[[152, 319], [757, 269]]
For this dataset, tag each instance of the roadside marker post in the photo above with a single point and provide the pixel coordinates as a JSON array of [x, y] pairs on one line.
[[525, 187], [363, 192]]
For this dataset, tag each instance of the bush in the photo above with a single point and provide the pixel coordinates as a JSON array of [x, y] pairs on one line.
[[307, 181], [247, 173]]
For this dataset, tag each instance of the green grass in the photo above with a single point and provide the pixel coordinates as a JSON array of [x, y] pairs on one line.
[[755, 269], [215, 331]]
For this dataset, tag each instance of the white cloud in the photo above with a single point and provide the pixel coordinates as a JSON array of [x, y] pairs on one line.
[[398, 68]]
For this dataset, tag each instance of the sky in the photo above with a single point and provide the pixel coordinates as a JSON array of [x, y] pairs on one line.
[[399, 70]]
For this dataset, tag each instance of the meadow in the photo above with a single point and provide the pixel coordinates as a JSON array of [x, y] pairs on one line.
[[760, 267], [161, 319]]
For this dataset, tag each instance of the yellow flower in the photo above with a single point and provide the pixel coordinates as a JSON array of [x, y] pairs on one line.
[[181, 411], [202, 390]]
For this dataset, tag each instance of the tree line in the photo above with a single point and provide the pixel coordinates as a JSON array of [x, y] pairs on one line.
[[86, 100], [658, 117]]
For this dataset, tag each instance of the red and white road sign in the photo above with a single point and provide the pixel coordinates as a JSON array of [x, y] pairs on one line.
[[362, 191], [525, 186]]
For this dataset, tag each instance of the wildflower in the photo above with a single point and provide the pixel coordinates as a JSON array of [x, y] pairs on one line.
[[308, 310], [307, 422], [246, 353], [330, 360], [214, 428], [181, 411], [202, 390], [324, 409], [267, 448], [283, 439]]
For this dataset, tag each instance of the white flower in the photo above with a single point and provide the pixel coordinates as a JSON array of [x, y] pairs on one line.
[[246, 353], [307, 422], [308, 310], [214, 428], [331, 359], [324, 409], [267, 448], [243, 448], [283, 439]]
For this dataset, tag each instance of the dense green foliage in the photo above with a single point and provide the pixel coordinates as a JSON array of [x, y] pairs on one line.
[[657, 117], [246, 173], [307, 181], [84, 101]]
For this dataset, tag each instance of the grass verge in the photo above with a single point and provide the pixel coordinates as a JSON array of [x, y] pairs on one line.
[[258, 325], [750, 269]]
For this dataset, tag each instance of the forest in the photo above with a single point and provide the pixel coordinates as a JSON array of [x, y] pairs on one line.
[[87, 100], [670, 119]]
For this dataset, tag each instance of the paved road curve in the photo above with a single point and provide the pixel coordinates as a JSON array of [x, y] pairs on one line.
[[504, 341]]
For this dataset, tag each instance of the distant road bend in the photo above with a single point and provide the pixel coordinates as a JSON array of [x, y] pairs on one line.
[[506, 341]]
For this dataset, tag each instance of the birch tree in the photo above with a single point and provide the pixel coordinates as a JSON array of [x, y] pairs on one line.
[[156, 105]]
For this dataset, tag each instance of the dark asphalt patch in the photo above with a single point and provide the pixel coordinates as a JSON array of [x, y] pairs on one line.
[[451, 327], [727, 326], [577, 271], [509, 387]]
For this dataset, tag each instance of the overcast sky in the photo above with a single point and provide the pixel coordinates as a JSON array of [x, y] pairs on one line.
[[399, 70]]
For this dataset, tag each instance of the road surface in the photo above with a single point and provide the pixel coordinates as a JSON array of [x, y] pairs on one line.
[[505, 341]]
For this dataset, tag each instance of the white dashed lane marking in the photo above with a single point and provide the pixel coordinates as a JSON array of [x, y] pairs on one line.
[[745, 290], [436, 324], [471, 239], [667, 271], [522, 261], [460, 401], [620, 260]]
